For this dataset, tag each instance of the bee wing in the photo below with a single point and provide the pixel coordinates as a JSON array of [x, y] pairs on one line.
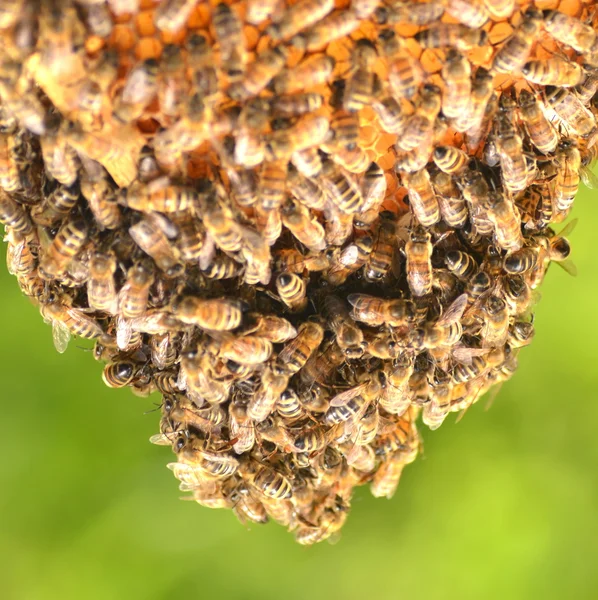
[[589, 178], [161, 439], [349, 255], [13, 256], [454, 312], [124, 331], [568, 266], [207, 253], [568, 228], [344, 397], [464, 355], [60, 335]]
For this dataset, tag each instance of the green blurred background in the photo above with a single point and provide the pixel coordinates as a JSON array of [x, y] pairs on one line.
[[503, 504]]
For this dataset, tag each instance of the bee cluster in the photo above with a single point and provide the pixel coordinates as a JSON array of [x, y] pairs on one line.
[[302, 223]]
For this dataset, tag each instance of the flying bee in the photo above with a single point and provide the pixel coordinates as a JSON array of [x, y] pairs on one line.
[[322, 364], [359, 89], [139, 89], [422, 199], [295, 353], [66, 245], [266, 480], [515, 52], [451, 35], [246, 350], [273, 383], [349, 336], [506, 221], [303, 225], [133, 296], [375, 311], [418, 252], [67, 321], [152, 240], [568, 159], [218, 314], [298, 17], [569, 30], [541, 133], [405, 74], [343, 192], [456, 73], [305, 190], [312, 71], [292, 291], [119, 374], [14, 215], [553, 71], [172, 15], [569, 110], [101, 288]]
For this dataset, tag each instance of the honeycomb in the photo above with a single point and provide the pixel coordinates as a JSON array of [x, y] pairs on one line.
[[305, 224]]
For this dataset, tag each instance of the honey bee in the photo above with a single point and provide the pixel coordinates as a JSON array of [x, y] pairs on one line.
[[218, 314], [382, 255], [60, 160], [510, 152], [496, 322], [269, 224], [478, 286], [456, 73], [66, 245], [241, 426], [195, 376], [152, 240], [246, 350], [267, 65], [341, 189], [506, 221], [461, 264], [569, 110], [298, 17], [517, 294], [13, 215], [246, 507], [266, 480], [228, 30], [312, 71], [289, 408], [304, 226], [260, 10], [588, 86], [419, 128], [336, 25], [134, 294], [140, 86], [474, 15], [450, 159], [212, 465], [416, 14], [389, 112], [263, 403], [375, 311], [359, 89], [339, 226], [418, 252], [444, 332], [422, 199], [295, 353], [224, 230], [292, 291], [10, 178], [119, 374], [67, 321], [222, 267], [172, 15], [322, 364], [405, 74], [160, 196], [305, 190], [190, 240], [296, 104], [453, 207], [451, 35], [272, 186], [395, 397], [515, 52], [521, 333], [101, 199], [349, 336], [386, 478], [541, 133], [312, 439], [101, 288], [474, 120], [352, 403], [164, 350], [553, 71], [569, 30], [568, 159], [435, 412]]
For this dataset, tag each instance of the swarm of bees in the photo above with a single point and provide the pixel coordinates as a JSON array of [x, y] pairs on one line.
[[303, 223]]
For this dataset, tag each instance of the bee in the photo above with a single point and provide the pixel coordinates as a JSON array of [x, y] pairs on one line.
[[190, 239], [339, 226], [305, 190], [101, 288], [213, 465], [553, 71], [450, 159], [223, 229], [496, 322], [478, 286], [296, 104], [349, 336], [416, 14], [506, 221], [418, 252], [269, 224], [292, 291], [510, 152], [451, 35], [267, 65], [289, 408], [344, 125], [480, 108], [164, 350], [405, 74], [119, 374], [373, 187], [295, 353], [10, 178], [246, 507], [569, 110], [303, 225], [266, 480], [67, 321], [218, 314], [474, 15], [152, 240], [334, 26], [515, 52], [60, 160], [342, 190], [453, 207], [228, 30], [422, 199], [298, 17], [541, 133], [375, 311], [160, 196], [382, 255], [140, 87], [101, 199], [569, 30], [456, 73], [273, 383], [352, 403], [173, 88], [588, 86], [395, 397], [256, 253], [134, 294], [386, 478], [354, 161], [222, 267], [195, 377], [419, 128], [461, 264], [444, 332], [246, 350], [241, 426], [260, 10], [517, 294], [14, 215], [272, 186], [172, 15], [521, 333], [312, 71], [312, 439], [568, 159], [389, 112], [66, 245], [359, 89]]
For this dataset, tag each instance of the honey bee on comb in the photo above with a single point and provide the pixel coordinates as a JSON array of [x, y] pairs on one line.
[[302, 222]]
